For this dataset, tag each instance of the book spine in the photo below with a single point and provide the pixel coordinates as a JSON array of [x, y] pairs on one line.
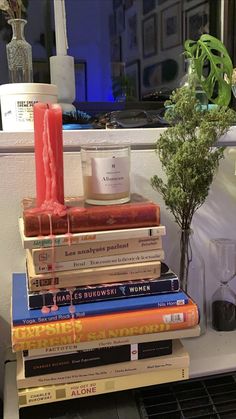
[[80, 277], [92, 218], [48, 394], [102, 292], [105, 307], [94, 358], [127, 340], [130, 323], [113, 260], [107, 371], [93, 237], [92, 250]]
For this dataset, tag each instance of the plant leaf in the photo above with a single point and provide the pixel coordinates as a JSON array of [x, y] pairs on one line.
[[209, 49]]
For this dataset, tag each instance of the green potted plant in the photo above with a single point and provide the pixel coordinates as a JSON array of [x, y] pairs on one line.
[[213, 67]]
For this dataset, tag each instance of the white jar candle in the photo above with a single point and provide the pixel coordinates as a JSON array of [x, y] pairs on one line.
[[106, 173]]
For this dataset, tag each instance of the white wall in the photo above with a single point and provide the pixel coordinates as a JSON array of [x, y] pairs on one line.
[[216, 218]]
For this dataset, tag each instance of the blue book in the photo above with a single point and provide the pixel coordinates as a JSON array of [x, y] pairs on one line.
[[167, 282], [22, 316]]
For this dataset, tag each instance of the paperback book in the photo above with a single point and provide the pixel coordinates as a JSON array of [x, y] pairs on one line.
[[178, 359], [97, 249], [113, 260], [111, 342], [90, 276], [80, 359], [168, 282], [81, 217], [66, 239], [53, 393], [22, 316]]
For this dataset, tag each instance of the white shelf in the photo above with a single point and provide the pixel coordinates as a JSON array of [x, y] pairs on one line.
[[137, 137], [212, 353], [13, 141]]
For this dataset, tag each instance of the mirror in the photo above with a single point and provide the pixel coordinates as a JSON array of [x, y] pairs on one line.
[[124, 50]]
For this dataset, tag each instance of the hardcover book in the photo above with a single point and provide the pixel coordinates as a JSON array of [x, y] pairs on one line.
[[52, 393], [82, 217], [22, 316], [168, 282], [66, 239], [70, 329], [80, 359], [178, 359], [111, 342], [98, 249]]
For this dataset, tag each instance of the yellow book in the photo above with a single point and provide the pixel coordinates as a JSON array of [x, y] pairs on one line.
[[48, 394]]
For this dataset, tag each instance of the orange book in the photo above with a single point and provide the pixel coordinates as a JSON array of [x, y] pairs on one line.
[[75, 330]]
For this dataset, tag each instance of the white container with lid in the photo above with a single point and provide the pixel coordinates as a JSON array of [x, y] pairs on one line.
[[17, 100]]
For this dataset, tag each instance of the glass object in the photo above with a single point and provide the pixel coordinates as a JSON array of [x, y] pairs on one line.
[[190, 79], [223, 302], [192, 273], [106, 174], [19, 54]]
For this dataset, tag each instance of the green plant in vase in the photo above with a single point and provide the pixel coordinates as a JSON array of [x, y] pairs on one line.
[[189, 160]]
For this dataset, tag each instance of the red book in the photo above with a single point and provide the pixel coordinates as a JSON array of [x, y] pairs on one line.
[[81, 217]]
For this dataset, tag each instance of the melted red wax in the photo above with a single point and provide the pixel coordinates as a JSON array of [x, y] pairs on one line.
[[50, 208], [45, 310]]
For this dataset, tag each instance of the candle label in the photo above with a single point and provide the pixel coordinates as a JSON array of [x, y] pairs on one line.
[[110, 175]]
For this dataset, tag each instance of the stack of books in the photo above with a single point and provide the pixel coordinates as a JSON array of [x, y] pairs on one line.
[[97, 309]]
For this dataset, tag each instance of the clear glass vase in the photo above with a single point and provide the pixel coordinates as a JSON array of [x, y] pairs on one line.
[[191, 80], [192, 273], [19, 54]]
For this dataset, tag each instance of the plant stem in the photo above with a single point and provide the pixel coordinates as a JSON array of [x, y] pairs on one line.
[[185, 258]]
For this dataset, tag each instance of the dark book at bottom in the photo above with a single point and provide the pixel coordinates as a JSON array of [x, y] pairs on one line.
[[93, 358]]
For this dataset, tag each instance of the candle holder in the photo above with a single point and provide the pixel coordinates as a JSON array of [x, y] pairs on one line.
[[106, 174]]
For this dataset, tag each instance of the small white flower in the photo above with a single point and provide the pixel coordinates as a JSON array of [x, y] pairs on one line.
[[4, 5]]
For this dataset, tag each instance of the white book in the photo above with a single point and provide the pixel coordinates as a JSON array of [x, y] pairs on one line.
[[96, 249], [148, 256], [96, 236]]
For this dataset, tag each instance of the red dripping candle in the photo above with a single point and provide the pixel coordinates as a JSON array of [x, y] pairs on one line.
[[48, 155]]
